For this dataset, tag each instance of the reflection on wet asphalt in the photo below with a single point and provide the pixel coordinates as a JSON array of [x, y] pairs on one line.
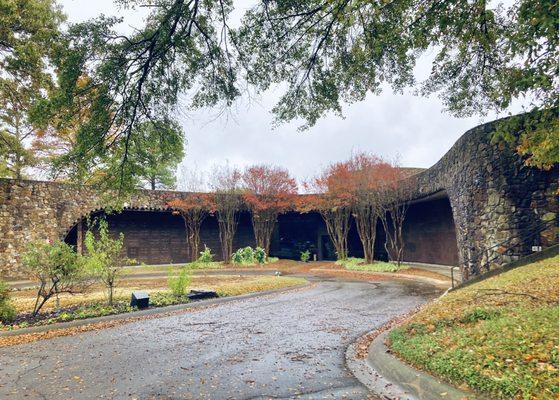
[[288, 345]]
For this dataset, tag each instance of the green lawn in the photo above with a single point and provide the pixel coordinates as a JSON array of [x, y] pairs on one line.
[[499, 337], [358, 264]]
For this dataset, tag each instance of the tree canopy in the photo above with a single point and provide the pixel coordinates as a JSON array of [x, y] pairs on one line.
[[29, 31], [485, 55]]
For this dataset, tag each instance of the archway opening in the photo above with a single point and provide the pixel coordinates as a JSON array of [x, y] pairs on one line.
[[429, 232]]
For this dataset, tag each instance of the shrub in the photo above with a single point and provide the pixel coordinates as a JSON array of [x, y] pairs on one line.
[[206, 256], [305, 256], [237, 257], [162, 299], [358, 264], [7, 310], [104, 257], [179, 284], [260, 255], [249, 256], [58, 269]]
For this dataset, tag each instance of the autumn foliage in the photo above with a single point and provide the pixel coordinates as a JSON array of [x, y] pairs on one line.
[[371, 178], [226, 187], [268, 192], [366, 187], [331, 196]]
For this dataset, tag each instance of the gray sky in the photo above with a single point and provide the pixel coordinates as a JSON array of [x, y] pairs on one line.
[[413, 128]]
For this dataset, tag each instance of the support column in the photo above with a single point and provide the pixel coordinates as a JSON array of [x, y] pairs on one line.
[[79, 237]]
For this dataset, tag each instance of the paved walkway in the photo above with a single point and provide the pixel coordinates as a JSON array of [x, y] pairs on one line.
[[288, 345]]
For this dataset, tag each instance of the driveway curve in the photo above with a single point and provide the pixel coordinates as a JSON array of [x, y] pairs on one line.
[[287, 345]]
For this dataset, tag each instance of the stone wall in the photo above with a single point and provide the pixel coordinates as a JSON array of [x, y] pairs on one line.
[[498, 205], [32, 210]]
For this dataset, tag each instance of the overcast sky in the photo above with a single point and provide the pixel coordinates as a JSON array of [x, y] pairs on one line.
[[414, 128]]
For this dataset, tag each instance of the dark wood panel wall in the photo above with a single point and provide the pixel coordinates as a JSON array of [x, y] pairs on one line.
[[429, 233], [158, 237]]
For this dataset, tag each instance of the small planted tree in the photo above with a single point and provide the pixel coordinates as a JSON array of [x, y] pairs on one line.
[[226, 186], [331, 197], [268, 192], [104, 256], [179, 284], [194, 208], [58, 268]]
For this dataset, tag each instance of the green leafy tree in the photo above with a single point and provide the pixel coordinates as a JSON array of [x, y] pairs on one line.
[[29, 34], [485, 55], [156, 148], [58, 268], [104, 256], [326, 53], [180, 52]]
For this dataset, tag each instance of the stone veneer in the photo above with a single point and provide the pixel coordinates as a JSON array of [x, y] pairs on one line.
[[498, 205], [501, 207]]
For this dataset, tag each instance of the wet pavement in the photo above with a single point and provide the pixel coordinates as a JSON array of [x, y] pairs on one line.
[[287, 345]]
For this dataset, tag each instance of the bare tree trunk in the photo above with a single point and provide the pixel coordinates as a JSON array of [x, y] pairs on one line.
[[79, 237], [366, 220], [263, 226], [38, 306], [110, 290], [192, 223], [395, 231], [337, 225], [227, 221]]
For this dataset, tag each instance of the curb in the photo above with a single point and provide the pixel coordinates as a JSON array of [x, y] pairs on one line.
[[389, 378], [413, 383], [151, 311]]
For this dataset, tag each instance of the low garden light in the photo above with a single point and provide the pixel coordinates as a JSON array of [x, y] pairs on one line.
[[140, 300]]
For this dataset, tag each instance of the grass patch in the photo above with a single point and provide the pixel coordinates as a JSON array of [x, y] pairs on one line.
[[500, 336], [175, 268], [358, 264], [257, 284], [207, 265]]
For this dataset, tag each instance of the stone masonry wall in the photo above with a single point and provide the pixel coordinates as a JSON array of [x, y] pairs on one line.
[[499, 205], [31, 211]]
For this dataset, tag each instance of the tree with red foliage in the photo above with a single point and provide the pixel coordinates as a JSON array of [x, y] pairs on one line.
[[194, 208], [331, 196], [226, 186], [269, 191], [371, 176]]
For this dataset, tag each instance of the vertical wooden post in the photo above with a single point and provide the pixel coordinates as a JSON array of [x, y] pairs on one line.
[[79, 237]]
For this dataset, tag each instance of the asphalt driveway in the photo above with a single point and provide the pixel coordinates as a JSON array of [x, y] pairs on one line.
[[288, 345]]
